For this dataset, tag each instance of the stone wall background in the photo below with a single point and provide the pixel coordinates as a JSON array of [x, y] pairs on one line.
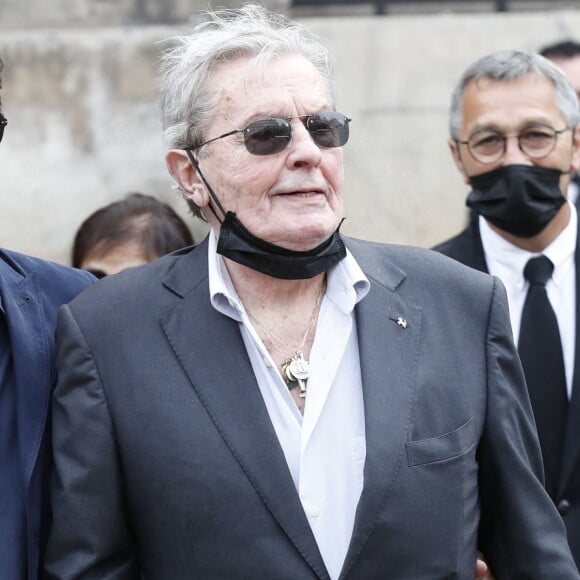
[[80, 94]]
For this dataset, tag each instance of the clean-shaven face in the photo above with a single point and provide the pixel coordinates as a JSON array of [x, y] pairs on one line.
[[291, 198], [510, 107]]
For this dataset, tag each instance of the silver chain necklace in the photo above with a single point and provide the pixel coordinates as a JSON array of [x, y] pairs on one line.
[[295, 369]]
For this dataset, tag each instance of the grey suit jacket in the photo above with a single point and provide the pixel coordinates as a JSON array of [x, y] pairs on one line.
[[467, 249], [168, 467]]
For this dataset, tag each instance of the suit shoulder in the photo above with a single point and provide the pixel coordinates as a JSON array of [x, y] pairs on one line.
[[440, 266], [447, 247], [52, 278], [134, 288], [413, 261]]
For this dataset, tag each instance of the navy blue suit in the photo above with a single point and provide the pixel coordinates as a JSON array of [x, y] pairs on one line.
[[31, 292]]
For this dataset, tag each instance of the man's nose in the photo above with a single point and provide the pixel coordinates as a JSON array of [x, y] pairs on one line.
[[303, 149]]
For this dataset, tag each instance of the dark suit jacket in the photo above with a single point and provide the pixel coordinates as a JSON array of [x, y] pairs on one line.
[[168, 466], [467, 249], [32, 291]]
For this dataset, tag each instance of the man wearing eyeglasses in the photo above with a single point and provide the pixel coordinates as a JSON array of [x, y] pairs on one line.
[[281, 402], [31, 291], [515, 140]]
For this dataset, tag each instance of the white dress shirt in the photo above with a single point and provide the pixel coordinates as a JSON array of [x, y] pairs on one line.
[[572, 193], [507, 262], [325, 448]]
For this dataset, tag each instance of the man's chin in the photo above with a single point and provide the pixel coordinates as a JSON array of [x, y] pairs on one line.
[[304, 241]]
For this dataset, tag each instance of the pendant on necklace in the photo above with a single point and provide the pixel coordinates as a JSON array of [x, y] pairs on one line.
[[296, 371]]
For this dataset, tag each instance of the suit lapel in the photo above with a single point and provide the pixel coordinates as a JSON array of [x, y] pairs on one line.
[[31, 352], [571, 452], [227, 388], [388, 354]]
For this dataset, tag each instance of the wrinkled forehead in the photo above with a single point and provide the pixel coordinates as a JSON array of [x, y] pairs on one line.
[[527, 98], [281, 85], [531, 81], [263, 71]]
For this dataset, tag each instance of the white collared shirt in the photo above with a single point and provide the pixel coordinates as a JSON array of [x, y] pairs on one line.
[[507, 262], [326, 448], [572, 192]]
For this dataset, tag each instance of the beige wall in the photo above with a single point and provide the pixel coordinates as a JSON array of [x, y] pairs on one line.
[[94, 13], [84, 130]]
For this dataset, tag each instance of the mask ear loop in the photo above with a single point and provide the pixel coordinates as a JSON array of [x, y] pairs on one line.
[[214, 198]]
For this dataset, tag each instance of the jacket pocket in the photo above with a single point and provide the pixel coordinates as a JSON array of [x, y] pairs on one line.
[[444, 447]]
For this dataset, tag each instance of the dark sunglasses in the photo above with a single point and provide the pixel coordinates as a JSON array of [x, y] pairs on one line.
[[272, 135], [3, 123]]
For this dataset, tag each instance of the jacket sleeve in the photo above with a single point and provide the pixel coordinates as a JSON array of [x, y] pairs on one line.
[[521, 532], [90, 535]]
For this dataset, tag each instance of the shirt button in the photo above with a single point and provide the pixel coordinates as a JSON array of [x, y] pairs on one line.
[[564, 507]]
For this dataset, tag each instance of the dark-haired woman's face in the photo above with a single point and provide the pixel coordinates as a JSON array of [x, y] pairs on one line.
[[119, 258]]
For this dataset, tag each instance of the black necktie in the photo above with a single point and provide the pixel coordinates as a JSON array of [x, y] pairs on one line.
[[541, 354]]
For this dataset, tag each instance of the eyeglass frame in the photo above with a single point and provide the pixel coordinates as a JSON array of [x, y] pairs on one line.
[[243, 129], [518, 137], [3, 123]]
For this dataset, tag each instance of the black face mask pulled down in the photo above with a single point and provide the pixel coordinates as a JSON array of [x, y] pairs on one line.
[[237, 243], [518, 199]]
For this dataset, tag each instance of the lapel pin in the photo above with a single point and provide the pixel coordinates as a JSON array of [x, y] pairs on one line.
[[402, 322]]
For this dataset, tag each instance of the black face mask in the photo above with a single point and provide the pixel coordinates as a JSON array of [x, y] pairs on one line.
[[237, 243], [519, 199]]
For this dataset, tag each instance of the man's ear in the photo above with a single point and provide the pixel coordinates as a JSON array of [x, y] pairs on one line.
[[454, 148], [575, 165], [185, 174]]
